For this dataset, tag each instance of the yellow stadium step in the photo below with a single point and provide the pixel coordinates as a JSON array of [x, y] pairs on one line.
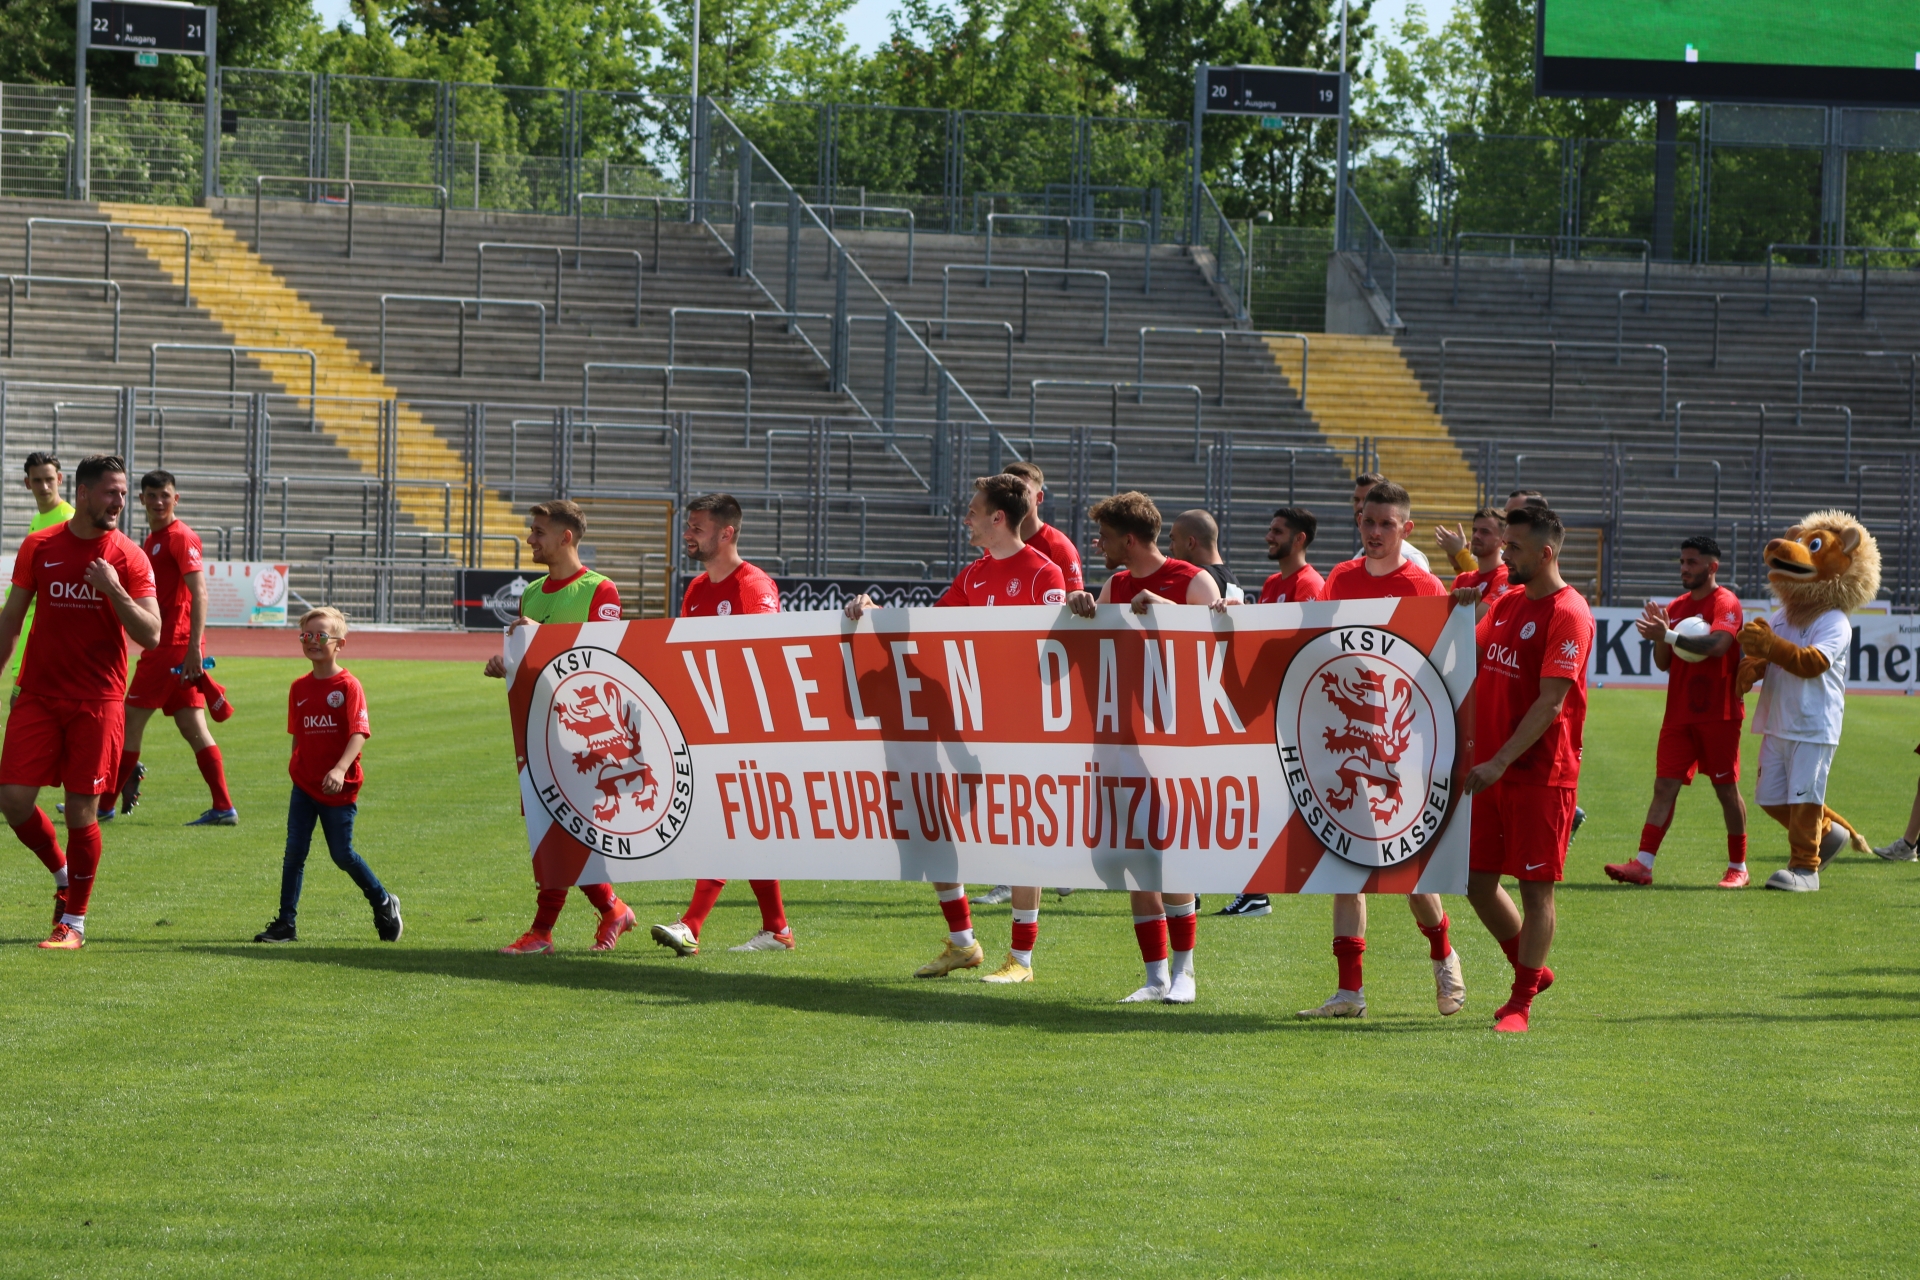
[[257, 308], [1359, 385]]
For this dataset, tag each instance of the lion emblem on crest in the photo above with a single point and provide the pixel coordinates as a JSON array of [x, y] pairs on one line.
[[1377, 733], [602, 728]]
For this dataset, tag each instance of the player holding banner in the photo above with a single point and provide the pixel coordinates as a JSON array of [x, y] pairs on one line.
[[1129, 526], [727, 586], [1008, 572], [569, 592], [93, 588], [1530, 710]]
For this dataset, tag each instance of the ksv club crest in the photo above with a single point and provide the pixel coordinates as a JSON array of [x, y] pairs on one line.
[[1366, 736], [606, 756]]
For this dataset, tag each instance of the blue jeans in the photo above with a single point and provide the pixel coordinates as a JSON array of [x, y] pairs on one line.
[[336, 822]]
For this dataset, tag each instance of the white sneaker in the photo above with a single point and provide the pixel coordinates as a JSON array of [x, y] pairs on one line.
[[1340, 1004], [1449, 988], [767, 940], [995, 896], [1794, 881], [678, 937], [1145, 995], [1898, 851], [1181, 992]]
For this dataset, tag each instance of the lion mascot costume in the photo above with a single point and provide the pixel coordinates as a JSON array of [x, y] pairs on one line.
[[1820, 570]]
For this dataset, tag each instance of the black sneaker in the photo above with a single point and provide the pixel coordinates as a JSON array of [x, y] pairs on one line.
[[386, 919], [130, 797], [1247, 904], [278, 931], [1579, 820]]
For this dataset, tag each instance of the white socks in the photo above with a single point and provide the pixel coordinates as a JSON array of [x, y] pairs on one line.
[[1022, 957], [960, 938], [60, 878], [76, 923], [1644, 858], [1157, 973]]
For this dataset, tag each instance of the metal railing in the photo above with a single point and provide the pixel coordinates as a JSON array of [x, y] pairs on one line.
[[1553, 348], [668, 371], [1114, 389], [1866, 252], [1764, 409], [1220, 398], [1073, 221], [1373, 244], [1003, 326], [1026, 275], [352, 186], [559, 252], [1554, 243], [863, 210], [1719, 298], [1807, 358], [752, 317], [112, 287], [613, 197], [106, 273], [461, 304], [233, 354]]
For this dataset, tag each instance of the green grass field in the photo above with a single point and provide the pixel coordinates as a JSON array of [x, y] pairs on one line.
[[1860, 33], [1717, 1086]]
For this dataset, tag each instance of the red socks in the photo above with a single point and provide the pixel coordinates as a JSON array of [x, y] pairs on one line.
[[1651, 836], [773, 912], [1346, 955], [1025, 932], [705, 894], [1152, 933], [83, 860], [38, 835], [957, 911], [1437, 944], [1737, 848], [547, 913], [1183, 927], [1512, 948], [212, 768], [600, 895], [1526, 983]]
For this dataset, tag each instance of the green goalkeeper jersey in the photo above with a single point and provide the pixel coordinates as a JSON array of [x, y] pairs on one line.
[[61, 513], [585, 597]]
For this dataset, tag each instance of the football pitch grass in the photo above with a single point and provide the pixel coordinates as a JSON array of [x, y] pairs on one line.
[[1718, 1085], [1859, 33]]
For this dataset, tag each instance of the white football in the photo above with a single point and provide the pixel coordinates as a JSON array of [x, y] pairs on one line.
[[1693, 629]]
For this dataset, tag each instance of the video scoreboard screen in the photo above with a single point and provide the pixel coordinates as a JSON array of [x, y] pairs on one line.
[[1816, 51]]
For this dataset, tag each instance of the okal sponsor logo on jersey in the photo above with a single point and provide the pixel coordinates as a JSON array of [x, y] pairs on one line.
[[606, 755], [1366, 735]]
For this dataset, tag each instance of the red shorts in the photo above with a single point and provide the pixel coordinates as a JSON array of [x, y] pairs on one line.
[[1712, 747], [1521, 829], [157, 688], [63, 742]]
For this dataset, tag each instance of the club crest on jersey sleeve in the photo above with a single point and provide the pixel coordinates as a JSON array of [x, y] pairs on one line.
[[608, 612], [606, 756], [1366, 734]]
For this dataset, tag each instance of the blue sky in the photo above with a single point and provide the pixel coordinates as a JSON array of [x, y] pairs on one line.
[[867, 21]]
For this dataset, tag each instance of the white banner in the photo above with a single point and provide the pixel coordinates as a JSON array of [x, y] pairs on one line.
[[1883, 657], [246, 594]]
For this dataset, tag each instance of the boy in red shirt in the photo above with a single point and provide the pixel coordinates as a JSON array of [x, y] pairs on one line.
[[327, 716], [1530, 710]]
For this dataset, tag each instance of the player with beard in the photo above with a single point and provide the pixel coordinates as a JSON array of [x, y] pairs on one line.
[[1483, 539], [569, 592], [1704, 715], [1293, 581], [1129, 526], [94, 589], [726, 587], [1530, 710], [1386, 571], [1008, 572]]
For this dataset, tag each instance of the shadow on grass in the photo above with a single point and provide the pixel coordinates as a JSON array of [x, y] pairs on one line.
[[936, 1002]]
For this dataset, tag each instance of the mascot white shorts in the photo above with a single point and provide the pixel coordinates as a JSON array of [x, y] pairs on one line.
[[1792, 772]]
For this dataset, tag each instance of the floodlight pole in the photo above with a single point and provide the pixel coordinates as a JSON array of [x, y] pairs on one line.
[[693, 133], [210, 157], [1199, 117], [77, 163], [1340, 148]]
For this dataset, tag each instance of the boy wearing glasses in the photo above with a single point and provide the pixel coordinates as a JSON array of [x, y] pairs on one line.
[[327, 716]]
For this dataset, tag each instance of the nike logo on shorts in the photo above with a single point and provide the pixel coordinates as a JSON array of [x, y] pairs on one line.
[[1535, 866]]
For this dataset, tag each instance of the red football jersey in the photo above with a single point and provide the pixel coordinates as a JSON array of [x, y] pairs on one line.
[[745, 590], [1058, 547], [321, 716], [1169, 582], [77, 648], [1488, 582], [1701, 692], [1521, 641], [1025, 577], [1304, 583], [1351, 581], [174, 552]]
